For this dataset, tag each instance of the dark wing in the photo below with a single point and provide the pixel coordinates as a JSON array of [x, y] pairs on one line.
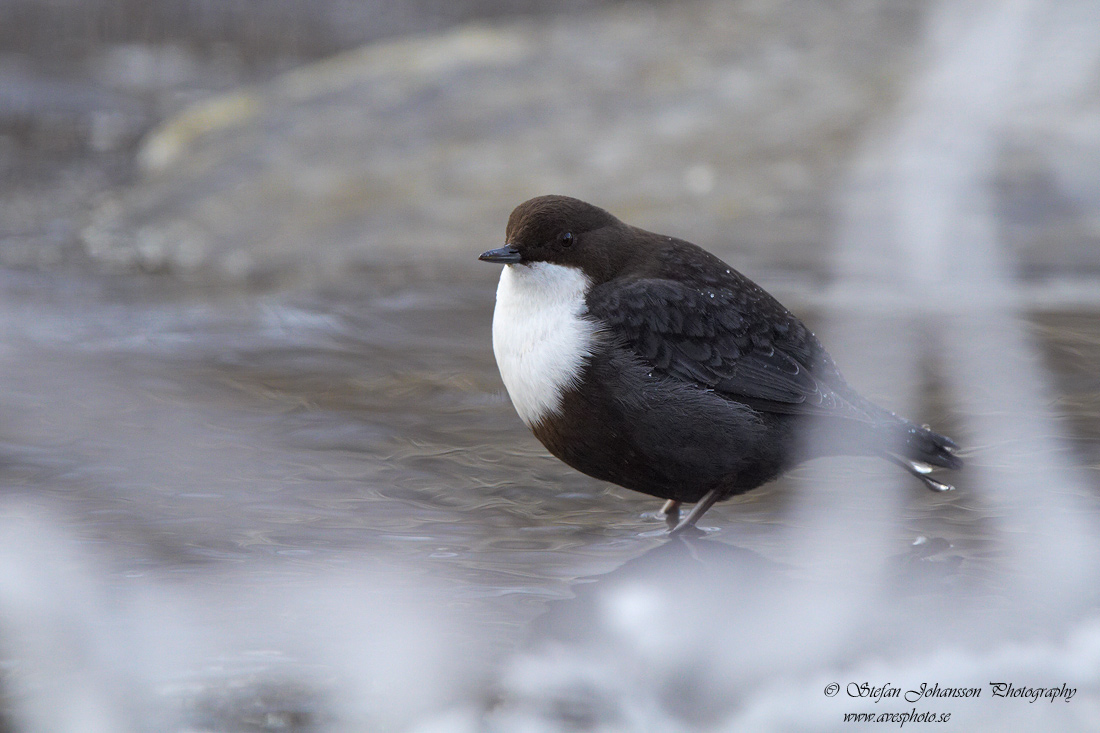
[[735, 340]]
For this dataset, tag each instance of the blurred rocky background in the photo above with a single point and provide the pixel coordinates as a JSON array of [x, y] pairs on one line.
[[83, 83], [210, 142]]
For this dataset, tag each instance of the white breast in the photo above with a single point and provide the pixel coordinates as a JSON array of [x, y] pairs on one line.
[[540, 337]]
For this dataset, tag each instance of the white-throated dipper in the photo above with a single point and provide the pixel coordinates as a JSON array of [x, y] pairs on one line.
[[646, 361]]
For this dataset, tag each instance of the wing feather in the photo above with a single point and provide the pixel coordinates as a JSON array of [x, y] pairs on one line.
[[737, 341]]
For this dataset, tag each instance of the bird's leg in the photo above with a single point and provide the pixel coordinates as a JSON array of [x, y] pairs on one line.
[[697, 511], [671, 507], [671, 512]]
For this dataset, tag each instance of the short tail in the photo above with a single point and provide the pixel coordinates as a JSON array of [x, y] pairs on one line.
[[920, 450], [923, 445]]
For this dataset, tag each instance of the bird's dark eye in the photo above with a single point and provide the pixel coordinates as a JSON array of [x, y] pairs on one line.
[[566, 239]]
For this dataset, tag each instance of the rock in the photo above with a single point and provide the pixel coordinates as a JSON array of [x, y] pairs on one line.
[[725, 124], [728, 124]]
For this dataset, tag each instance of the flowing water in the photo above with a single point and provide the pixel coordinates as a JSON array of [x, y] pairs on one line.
[[319, 511]]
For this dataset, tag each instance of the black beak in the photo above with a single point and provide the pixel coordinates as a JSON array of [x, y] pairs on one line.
[[506, 255]]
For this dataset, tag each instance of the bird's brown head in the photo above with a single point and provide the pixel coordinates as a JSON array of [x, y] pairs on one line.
[[562, 231]]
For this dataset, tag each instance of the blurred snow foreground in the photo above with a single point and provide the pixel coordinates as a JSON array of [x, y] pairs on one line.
[[695, 634]]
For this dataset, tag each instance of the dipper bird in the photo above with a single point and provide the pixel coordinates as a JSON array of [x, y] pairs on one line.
[[646, 361]]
